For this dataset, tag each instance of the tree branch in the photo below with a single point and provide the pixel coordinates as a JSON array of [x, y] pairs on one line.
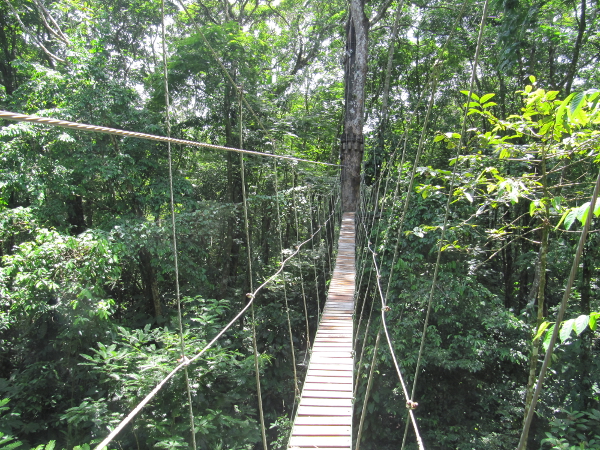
[[33, 35], [381, 12]]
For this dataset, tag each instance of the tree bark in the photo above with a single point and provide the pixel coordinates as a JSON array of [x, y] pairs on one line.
[[352, 140], [150, 281]]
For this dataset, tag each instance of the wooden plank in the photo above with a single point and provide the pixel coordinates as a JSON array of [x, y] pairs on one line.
[[342, 342], [321, 358], [328, 430], [327, 394], [328, 373], [319, 441], [312, 447], [331, 368], [322, 420], [328, 377], [347, 387], [315, 401], [324, 411]]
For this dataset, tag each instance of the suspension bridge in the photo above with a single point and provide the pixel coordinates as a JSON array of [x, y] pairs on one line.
[[324, 417]]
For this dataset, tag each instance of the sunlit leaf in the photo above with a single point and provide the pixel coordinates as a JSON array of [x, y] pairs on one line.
[[548, 337], [581, 324], [543, 326], [565, 329], [570, 218], [594, 320], [486, 97]]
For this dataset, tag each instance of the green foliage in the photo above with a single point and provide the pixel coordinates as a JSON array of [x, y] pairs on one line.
[[578, 325], [572, 430], [60, 271]]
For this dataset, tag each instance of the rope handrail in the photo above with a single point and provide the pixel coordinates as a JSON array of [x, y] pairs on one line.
[[174, 227], [8, 115], [384, 308], [186, 361]]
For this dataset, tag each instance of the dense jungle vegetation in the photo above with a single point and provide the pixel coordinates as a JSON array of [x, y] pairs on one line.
[[88, 311]]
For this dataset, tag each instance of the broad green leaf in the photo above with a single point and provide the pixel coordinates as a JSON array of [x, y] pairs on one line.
[[438, 138], [486, 97], [548, 336], [570, 218], [543, 326], [592, 94], [581, 324], [594, 320], [565, 329], [542, 131], [532, 208], [584, 209], [532, 79], [474, 96], [576, 103]]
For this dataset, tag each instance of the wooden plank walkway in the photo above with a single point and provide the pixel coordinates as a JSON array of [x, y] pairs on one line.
[[324, 417]]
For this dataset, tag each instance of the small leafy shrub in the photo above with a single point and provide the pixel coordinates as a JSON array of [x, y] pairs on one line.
[[574, 430]]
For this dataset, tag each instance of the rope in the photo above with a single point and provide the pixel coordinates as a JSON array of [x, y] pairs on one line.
[[287, 306], [368, 391], [384, 309], [314, 257], [249, 255], [117, 132], [323, 242], [434, 81], [447, 210], [364, 346], [559, 317], [294, 204], [208, 346], [172, 201]]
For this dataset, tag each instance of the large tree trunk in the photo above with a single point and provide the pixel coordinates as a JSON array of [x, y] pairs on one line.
[[352, 141]]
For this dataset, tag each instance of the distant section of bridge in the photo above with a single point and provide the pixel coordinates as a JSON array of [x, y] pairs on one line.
[[324, 417]]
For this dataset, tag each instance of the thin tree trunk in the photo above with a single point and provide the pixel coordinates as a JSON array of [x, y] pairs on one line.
[[541, 269], [580, 32]]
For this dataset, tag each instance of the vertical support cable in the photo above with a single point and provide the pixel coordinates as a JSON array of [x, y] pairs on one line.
[[447, 211], [314, 262], [287, 307], [295, 206], [175, 257], [249, 254]]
